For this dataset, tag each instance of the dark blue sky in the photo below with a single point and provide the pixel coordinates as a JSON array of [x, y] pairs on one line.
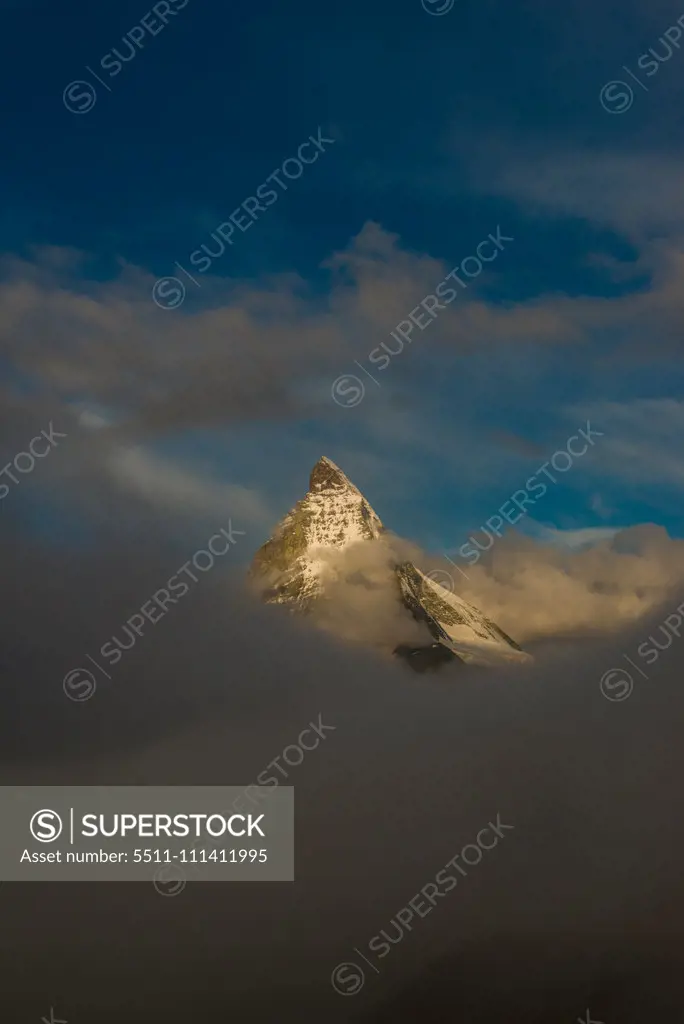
[[218, 97], [445, 127]]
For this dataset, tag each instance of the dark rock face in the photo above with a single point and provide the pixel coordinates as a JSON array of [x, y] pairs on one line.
[[426, 659]]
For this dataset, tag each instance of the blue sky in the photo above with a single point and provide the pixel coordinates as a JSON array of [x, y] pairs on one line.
[[446, 128]]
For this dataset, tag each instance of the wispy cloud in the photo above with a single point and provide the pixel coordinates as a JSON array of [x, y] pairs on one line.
[[605, 187], [642, 444], [163, 483]]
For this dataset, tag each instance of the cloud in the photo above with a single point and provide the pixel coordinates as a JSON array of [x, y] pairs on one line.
[[411, 772], [261, 349], [562, 583], [361, 599], [539, 591], [599, 506], [604, 187], [571, 539], [162, 483], [641, 444]]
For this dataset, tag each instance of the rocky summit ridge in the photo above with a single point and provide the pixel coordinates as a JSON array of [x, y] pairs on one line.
[[292, 566]]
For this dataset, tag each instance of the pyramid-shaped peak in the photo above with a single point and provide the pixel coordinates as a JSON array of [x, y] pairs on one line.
[[300, 562], [326, 475]]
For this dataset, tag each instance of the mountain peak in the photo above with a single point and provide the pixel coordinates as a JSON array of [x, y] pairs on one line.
[[326, 475], [332, 515], [299, 564]]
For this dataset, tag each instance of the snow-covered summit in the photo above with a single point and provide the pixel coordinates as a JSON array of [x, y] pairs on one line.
[[332, 514], [339, 513]]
